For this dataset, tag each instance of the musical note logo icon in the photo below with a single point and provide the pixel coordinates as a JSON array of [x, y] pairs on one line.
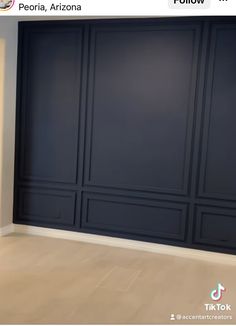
[[217, 293]]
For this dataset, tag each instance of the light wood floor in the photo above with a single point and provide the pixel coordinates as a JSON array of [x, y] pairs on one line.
[[45, 280]]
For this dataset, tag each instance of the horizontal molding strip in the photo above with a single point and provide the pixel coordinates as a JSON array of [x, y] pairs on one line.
[[121, 243]]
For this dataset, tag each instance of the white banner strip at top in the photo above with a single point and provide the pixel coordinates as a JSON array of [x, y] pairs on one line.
[[117, 7]]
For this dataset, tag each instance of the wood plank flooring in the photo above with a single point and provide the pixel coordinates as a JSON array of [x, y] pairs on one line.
[[48, 281]]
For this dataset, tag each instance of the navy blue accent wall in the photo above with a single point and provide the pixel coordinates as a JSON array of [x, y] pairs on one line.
[[127, 128]]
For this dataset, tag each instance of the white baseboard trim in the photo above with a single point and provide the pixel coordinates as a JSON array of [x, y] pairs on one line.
[[128, 244], [5, 230]]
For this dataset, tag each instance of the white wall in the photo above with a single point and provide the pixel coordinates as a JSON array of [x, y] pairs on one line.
[[8, 62]]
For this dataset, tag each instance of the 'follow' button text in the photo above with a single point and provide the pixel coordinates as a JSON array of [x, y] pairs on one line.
[[189, 4]]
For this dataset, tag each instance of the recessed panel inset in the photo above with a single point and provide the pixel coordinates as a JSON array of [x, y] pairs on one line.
[[47, 206], [51, 108], [140, 106], [127, 215], [218, 166], [215, 226]]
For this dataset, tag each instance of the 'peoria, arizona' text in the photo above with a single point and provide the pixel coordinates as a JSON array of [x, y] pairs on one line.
[[53, 7]]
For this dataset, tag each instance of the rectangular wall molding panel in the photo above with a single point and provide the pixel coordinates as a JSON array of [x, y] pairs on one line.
[[153, 218], [126, 128]]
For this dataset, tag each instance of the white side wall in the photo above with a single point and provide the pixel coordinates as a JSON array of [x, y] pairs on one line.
[[8, 62]]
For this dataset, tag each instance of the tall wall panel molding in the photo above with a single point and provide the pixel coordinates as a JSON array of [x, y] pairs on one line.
[[126, 86]]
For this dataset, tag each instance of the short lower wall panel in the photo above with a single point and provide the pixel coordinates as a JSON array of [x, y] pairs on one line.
[[120, 214], [215, 226], [41, 206]]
